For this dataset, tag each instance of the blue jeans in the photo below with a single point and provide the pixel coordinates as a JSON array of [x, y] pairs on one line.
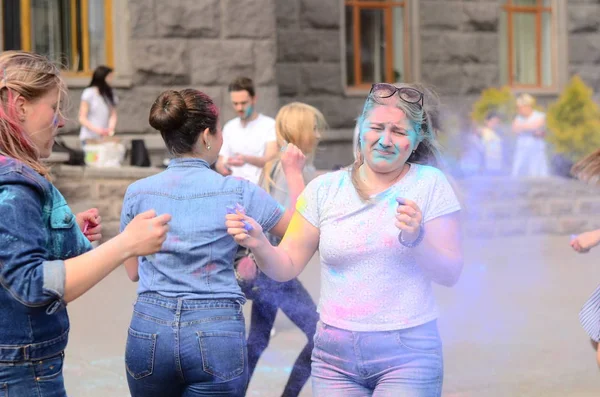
[[42, 378], [405, 362], [179, 347]]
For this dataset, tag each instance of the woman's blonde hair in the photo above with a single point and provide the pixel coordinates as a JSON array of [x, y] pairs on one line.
[[300, 124], [422, 118], [525, 100], [30, 76]]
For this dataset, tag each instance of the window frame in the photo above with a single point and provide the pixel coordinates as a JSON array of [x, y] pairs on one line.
[[26, 45], [557, 10], [411, 57]]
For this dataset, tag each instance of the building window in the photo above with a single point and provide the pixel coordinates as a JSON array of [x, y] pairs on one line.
[[76, 33], [528, 44], [377, 42]]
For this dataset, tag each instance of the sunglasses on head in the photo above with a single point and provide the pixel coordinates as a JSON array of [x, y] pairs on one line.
[[408, 95]]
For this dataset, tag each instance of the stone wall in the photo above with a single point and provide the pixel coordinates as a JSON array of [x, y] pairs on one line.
[[584, 41], [195, 43], [493, 207], [86, 187]]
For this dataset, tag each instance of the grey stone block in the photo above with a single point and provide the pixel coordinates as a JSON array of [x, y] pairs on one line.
[[589, 206], [436, 15], [142, 18], [322, 79], [459, 47], [265, 57], [298, 45], [544, 226], [444, 78], [249, 19], [561, 208], [112, 189], [287, 13], [572, 225], [478, 77], [481, 17], [134, 108], [329, 45], [288, 78], [161, 61], [584, 18], [188, 18], [220, 61], [584, 48], [320, 13]]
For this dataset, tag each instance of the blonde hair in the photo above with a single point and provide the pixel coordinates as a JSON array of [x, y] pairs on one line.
[[300, 124], [424, 121], [525, 100], [30, 76]]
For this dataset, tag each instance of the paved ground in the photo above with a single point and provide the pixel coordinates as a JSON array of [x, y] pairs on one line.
[[509, 327]]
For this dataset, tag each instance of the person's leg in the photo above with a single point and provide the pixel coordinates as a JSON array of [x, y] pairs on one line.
[[297, 304], [150, 351], [213, 349], [335, 365], [262, 318], [596, 347], [406, 362]]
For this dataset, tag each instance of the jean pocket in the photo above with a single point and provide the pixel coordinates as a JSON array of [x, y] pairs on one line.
[[49, 368], [421, 339], [139, 354], [3, 390], [222, 353]]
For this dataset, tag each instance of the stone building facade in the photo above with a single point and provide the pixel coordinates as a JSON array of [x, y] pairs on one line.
[[296, 51]]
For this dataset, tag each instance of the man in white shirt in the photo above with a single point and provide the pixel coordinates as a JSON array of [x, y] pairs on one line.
[[249, 140]]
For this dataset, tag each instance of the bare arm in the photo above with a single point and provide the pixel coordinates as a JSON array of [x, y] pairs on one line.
[[112, 122], [440, 252], [221, 167], [85, 271], [131, 267], [290, 257], [271, 149]]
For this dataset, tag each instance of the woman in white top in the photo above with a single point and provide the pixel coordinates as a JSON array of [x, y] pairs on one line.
[[530, 151], [385, 229], [97, 112]]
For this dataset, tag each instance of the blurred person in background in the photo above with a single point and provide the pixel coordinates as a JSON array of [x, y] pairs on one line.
[[530, 158]]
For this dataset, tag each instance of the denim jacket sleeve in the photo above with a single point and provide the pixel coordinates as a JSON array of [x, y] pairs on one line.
[[25, 269]]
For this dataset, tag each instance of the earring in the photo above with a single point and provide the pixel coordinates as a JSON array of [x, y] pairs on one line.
[[208, 146]]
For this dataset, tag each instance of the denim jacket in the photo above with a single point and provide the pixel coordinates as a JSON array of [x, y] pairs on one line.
[[196, 260], [37, 233]]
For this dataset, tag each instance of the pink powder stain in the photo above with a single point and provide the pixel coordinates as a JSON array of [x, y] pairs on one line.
[[204, 270], [389, 242], [3, 160]]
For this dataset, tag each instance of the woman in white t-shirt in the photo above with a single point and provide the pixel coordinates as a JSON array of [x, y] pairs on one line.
[[530, 151], [385, 229], [97, 112]]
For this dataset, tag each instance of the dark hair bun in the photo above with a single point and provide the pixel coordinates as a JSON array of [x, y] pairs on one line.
[[169, 111]]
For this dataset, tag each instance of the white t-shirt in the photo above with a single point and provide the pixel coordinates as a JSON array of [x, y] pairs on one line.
[[249, 140], [369, 281], [98, 112]]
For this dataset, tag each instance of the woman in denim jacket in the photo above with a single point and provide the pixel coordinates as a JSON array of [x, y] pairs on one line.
[[187, 333], [386, 228], [46, 259]]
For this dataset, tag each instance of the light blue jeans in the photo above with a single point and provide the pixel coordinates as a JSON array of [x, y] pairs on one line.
[[405, 362]]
